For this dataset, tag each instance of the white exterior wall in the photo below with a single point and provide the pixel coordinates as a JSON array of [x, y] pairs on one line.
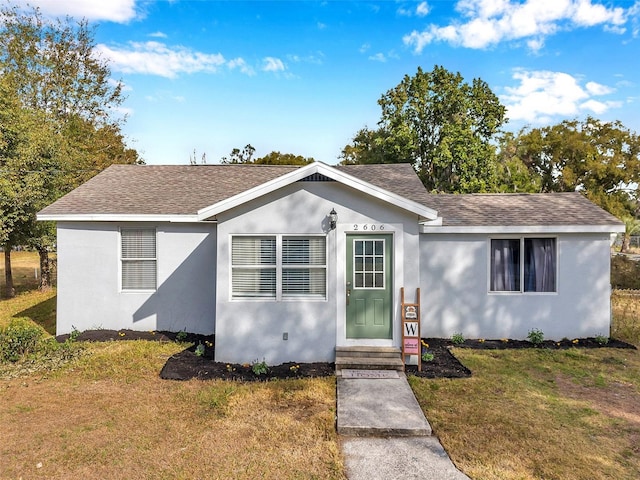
[[456, 298], [89, 294], [252, 329]]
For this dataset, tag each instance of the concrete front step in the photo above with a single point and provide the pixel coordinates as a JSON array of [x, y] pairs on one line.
[[368, 358], [370, 363], [392, 352]]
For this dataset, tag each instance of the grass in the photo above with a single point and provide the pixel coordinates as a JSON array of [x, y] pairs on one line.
[[538, 414], [107, 414], [525, 414], [24, 266], [28, 302], [111, 416]]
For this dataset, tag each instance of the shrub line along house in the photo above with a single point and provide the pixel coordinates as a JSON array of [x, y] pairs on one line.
[[287, 263]]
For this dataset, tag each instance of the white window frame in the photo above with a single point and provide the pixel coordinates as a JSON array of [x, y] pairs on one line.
[[123, 260], [521, 239], [279, 267], [256, 267]]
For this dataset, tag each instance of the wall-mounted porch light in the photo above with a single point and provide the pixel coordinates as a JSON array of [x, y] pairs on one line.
[[333, 219]]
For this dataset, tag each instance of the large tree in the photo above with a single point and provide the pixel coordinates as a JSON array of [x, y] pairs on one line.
[[442, 125], [60, 124], [513, 176], [601, 159]]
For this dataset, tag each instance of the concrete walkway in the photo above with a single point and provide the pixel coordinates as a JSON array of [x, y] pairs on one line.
[[384, 433]]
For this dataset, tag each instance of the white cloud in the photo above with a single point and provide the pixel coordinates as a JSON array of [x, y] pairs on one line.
[[365, 47], [315, 59], [422, 9], [535, 44], [542, 95], [488, 22], [598, 89], [272, 64], [120, 11], [588, 14], [240, 64], [156, 58], [378, 57], [158, 35], [595, 106]]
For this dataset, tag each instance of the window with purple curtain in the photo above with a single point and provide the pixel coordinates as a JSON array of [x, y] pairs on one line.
[[533, 259], [540, 265], [505, 265]]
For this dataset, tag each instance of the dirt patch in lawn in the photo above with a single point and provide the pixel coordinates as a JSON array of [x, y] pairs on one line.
[[197, 361], [617, 399]]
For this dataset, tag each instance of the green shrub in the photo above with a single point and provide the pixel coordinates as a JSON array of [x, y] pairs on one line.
[[181, 336], [17, 339], [457, 338], [535, 336], [428, 357], [260, 368]]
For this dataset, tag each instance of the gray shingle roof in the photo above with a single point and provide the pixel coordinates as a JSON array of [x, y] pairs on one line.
[[185, 189], [162, 189], [513, 209]]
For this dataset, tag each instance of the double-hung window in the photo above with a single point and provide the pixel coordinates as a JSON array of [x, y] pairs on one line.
[[278, 267], [253, 261], [138, 258], [304, 267], [523, 265]]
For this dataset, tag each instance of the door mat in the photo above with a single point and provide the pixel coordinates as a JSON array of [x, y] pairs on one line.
[[351, 373]]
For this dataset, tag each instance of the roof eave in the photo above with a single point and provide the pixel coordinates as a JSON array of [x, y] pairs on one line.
[[110, 217]]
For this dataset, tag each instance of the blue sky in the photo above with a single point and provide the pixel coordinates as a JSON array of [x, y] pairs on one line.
[[303, 77]]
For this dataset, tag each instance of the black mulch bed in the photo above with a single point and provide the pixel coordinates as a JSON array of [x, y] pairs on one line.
[[187, 364]]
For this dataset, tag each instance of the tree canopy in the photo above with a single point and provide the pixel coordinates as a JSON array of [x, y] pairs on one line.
[[440, 124], [59, 121], [450, 131], [274, 158], [601, 159]]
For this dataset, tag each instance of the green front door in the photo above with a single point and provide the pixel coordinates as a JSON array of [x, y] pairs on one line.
[[369, 286]]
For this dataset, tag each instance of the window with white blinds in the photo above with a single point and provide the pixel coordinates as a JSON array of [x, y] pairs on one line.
[[304, 267], [253, 267], [138, 257], [278, 267]]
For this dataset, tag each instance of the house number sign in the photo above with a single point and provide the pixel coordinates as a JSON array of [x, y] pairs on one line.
[[367, 227]]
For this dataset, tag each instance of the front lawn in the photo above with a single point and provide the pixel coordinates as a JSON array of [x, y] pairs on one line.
[[523, 414], [109, 415], [539, 414]]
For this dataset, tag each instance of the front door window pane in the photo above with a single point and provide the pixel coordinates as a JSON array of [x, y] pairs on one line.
[[368, 258]]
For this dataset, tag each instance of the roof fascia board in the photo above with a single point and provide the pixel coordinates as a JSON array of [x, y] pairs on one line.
[[493, 229], [117, 218], [323, 169]]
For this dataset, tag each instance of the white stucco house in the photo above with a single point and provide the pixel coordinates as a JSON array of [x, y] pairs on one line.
[[253, 254]]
